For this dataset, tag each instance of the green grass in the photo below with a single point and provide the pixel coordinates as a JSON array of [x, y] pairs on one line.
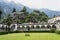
[[33, 36]]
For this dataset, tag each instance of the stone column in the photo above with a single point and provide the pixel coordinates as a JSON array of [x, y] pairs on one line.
[[40, 26], [25, 26], [51, 26], [20, 26], [15, 27], [1, 25], [30, 26]]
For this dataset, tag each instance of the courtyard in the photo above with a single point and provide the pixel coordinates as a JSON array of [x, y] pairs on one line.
[[33, 36]]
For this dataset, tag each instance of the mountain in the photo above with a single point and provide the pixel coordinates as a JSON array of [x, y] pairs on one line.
[[7, 7], [50, 13]]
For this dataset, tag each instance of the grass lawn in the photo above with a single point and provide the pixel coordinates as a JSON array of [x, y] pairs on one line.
[[33, 36]]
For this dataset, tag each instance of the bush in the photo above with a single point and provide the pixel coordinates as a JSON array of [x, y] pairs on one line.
[[52, 30], [2, 33], [14, 31], [57, 31], [27, 34]]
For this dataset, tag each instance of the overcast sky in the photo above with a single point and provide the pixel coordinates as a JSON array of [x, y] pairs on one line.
[[50, 4]]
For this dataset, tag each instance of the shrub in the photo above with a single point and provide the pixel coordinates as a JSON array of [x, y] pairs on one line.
[[14, 31], [52, 30], [27, 34], [57, 31], [2, 33]]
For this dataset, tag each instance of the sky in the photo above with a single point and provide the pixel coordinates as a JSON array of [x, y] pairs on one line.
[[37, 4]]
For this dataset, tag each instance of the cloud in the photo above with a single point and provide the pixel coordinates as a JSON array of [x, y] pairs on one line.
[[50, 4], [37, 4]]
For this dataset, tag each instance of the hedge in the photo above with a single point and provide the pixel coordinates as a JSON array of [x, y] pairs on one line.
[[57, 31]]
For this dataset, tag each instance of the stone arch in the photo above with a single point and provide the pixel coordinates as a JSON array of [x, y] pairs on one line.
[[12, 27], [37, 26], [32, 27], [2, 28], [48, 26], [28, 27], [23, 27], [42, 26], [54, 26], [18, 28]]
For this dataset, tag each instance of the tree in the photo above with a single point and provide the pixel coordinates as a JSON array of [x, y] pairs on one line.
[[0, 14], [54, 16], [37, 11], [14, 10], [31, 18], [25, 11], [35, 16], [8, 20], [43, 17], [39, 16]]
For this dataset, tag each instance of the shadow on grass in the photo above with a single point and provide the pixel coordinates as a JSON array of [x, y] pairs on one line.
[[4, 33]]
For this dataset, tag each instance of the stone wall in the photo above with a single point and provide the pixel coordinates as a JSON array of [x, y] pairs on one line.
[[52, 20], [58, 26], [28, 27]]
